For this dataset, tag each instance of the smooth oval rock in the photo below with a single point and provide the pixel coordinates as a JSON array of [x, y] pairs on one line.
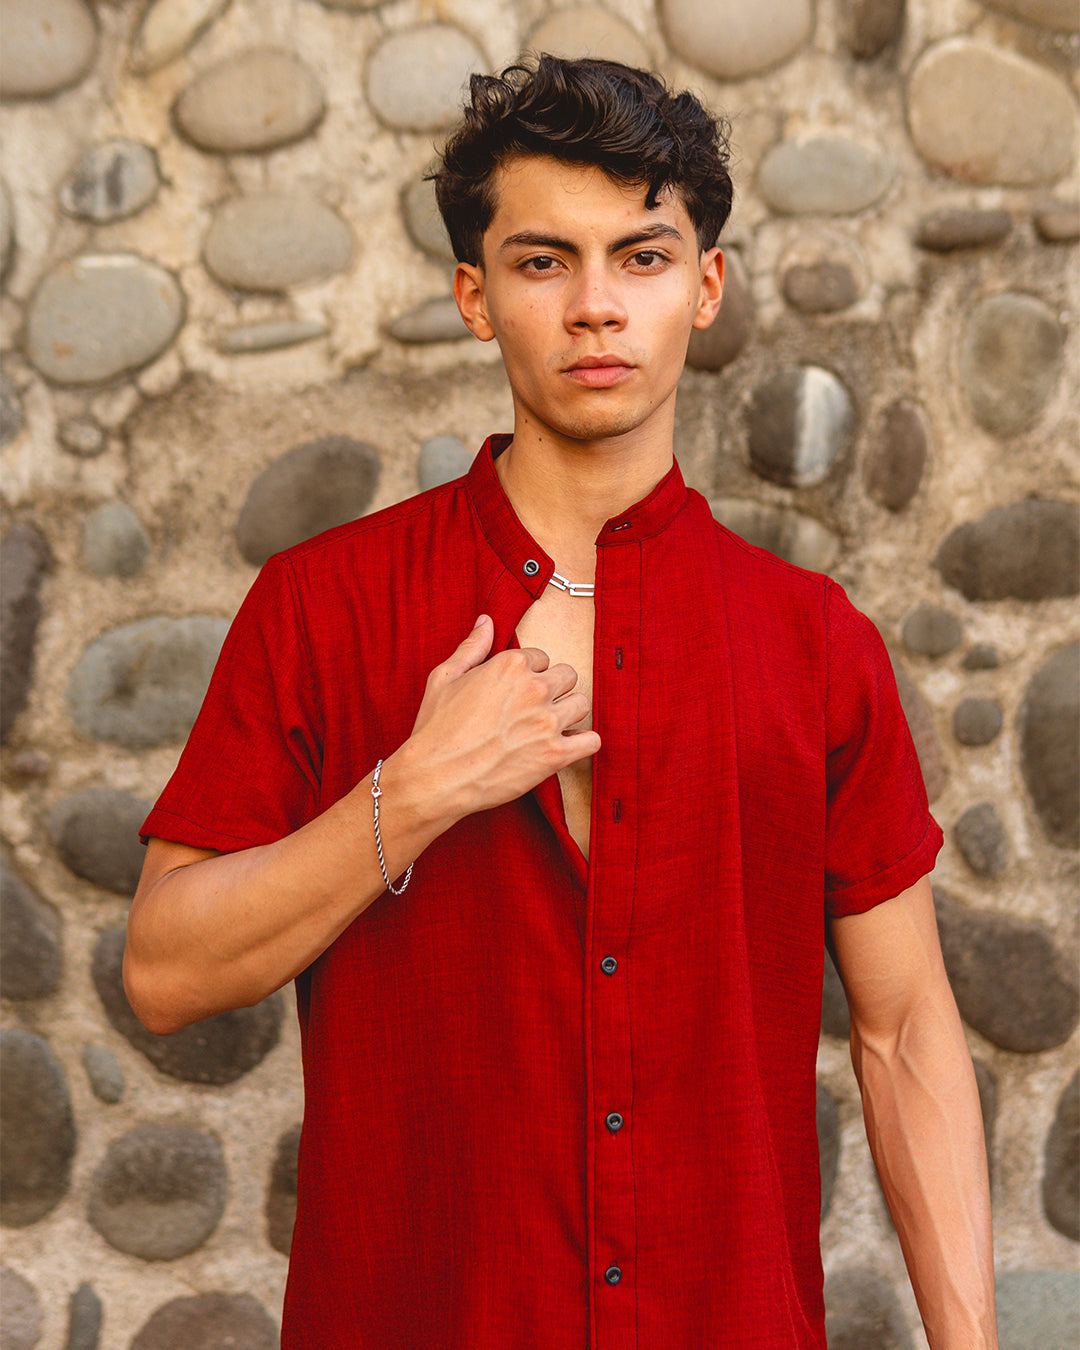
[[831, 175], [312, 488], [732, 40], [835, 1014], [209, 1322], [981, 839], [828, 1133], [985, 115], [587, 30], [85, 1316], [25, 559], [114, 179], [37, 1141], [100, 316], [7, 228], [423, 221], [1037, 1309], [114, 541], [862, 1311], [1058, 223], [269, 334], [800, 422], [96, 835], [982, 656], [1061, 1168], [416, 77], [142, 684], [281, 1194], [254, 100], [718, 345], [1060, 15], [105, 1074], [436, 320], [869, 26], [820, 288], [216, 1051], [20, 1311], [931, 631], [81, 435], [797, 538], [1011, 354], [1029, 550], [46, 47], [11, 413], [29, 937], [167, 29], [957, 228], [1049, 727], [920, 721], [442, 459], [159, 1192], [977, 721], [272, 241]]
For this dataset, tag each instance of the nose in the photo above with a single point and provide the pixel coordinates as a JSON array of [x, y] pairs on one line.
[[595, 302]]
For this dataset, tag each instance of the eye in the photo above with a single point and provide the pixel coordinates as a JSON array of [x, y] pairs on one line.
[[649, 259], [542, 262]]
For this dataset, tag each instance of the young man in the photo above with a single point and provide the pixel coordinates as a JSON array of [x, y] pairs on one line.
[[559, 953]]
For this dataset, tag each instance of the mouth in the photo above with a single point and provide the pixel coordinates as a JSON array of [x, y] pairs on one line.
[[598, 372]]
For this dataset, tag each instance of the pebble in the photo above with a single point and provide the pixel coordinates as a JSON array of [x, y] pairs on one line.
[[21, 1311], [1011, 353], [281, 1194], [423, 221], [417, 77], [732, 40], [272, 241], [96, 835], [24, 561], [1037, 1308], [988, 1104], [956, 228], [7, 228], [1028, 550], [983, 656], [931, 631], [436, 320], [820, 288], [1061, 1173], [216, 1051], [253, 100], [159, 1192], [1012, 983], [167, 29], [1058, 223], [835, 1015], [30, 937], [797, 538], [1060, 15], [956, 97], [442, 459], [38, 1129], [718, 345], [82, 436], [831, 175], [920, 722], [114, 541], [828, 1132], [114, 179], [1049, 727], [589, 31], [85, 1315], [11, 416], [309, 489], [800, 422], [869, 26], [977, 721], [209, 1321], [268, 334], [105, 1074], [100, 315], [46, 48], [142, 684], [862, 1310], [980, 837]]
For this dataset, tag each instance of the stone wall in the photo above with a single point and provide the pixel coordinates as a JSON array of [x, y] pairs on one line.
[[227, 325]]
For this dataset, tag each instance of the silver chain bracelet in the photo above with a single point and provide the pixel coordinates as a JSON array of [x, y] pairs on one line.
[[376, 793]]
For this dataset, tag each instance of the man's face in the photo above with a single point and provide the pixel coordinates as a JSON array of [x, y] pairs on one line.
[[591, 298]]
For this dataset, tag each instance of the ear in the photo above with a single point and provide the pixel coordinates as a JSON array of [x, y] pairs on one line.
[[712, 287], [469, 294]]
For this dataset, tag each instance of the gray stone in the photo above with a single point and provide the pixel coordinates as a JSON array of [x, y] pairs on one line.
[[862, 1312], [800, 423], [100, 316], [1029, 550], [828, 1133], [985, 115], [82, 436], [835, 1015], [983, 656], [981, 839], [1049, 731], [1038, 1308], [281, 1196], [1061, 1172], [20, 1312], [218, 1050], [977, 721], [253, 100], [105, 1074], [7, 228], [442, 459], [37, 1142], [312, 488], [869, 26], [159, 1192], [1012, 983], [46, 48], [96, 835], [931, 631], [820, 288], [269, 334], [831, 175], [920, 721], [732, 40], [588, 30], [84, 1319], [112, 180], [209, 1322], [423, 221], [1058, 223], [946, 231], [114, 541], [714, 347], [167, 29], [988, 1105], [1060, 15], [11, 417], [436, 320], [142, 684], [1010, 361], [29, 938], [271, 241], [417, 77], [24, 561], [790, 534]]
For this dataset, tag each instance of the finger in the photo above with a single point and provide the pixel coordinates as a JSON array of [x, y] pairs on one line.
[[535, 659], [472, 651], [580, 745], [563, 679], [572, 708]]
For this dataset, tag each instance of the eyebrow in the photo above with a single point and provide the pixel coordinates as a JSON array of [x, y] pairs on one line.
[[536, 239]]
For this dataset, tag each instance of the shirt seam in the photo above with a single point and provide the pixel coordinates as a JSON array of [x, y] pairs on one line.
[[839, 891]]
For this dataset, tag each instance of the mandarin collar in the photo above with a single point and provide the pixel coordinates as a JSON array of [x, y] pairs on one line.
[[519, 551]]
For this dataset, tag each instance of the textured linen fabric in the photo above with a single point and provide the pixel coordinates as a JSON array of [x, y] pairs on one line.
[[552, 1105]]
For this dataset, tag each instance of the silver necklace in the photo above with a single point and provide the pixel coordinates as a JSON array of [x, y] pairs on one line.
[[585, 588]]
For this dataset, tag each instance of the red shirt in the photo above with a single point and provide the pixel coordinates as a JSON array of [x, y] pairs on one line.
[[553, 1105]]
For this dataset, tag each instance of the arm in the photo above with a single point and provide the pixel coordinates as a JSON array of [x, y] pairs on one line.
[[922, 1115], [208, 932]]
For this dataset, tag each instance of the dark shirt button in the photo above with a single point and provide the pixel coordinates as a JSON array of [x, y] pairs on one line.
[[614, 1122], [531, 567], [613, 1274], [609, 965]]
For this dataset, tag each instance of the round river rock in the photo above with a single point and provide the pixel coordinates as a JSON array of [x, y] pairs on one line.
[[96, 834], [1061, 1177], [1049, 725], [733, 40], [168, 28], [25, 558], [828, 174], [800, 423], [254, 100], [46, 47], [37, 1141], [587, 30], [416, 77], [1010, 361], [112, 180], [271, 241], [30, 937], [209, 1322], [1029, 550]]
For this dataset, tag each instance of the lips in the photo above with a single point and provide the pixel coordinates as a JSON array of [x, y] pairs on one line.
[[598, 372]]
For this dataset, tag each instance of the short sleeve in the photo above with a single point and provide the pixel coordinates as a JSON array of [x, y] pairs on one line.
[[250, 771], [880, 835]]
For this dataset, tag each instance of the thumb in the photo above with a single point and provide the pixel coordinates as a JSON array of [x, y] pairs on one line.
[[473, 651]]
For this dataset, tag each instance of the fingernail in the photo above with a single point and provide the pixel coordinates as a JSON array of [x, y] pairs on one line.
[[479, 621]]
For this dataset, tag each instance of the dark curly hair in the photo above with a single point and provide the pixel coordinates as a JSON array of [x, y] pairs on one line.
[[623, 120]]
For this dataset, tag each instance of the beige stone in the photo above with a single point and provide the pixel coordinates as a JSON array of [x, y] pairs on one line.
[[589, 31], [168, 28]]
